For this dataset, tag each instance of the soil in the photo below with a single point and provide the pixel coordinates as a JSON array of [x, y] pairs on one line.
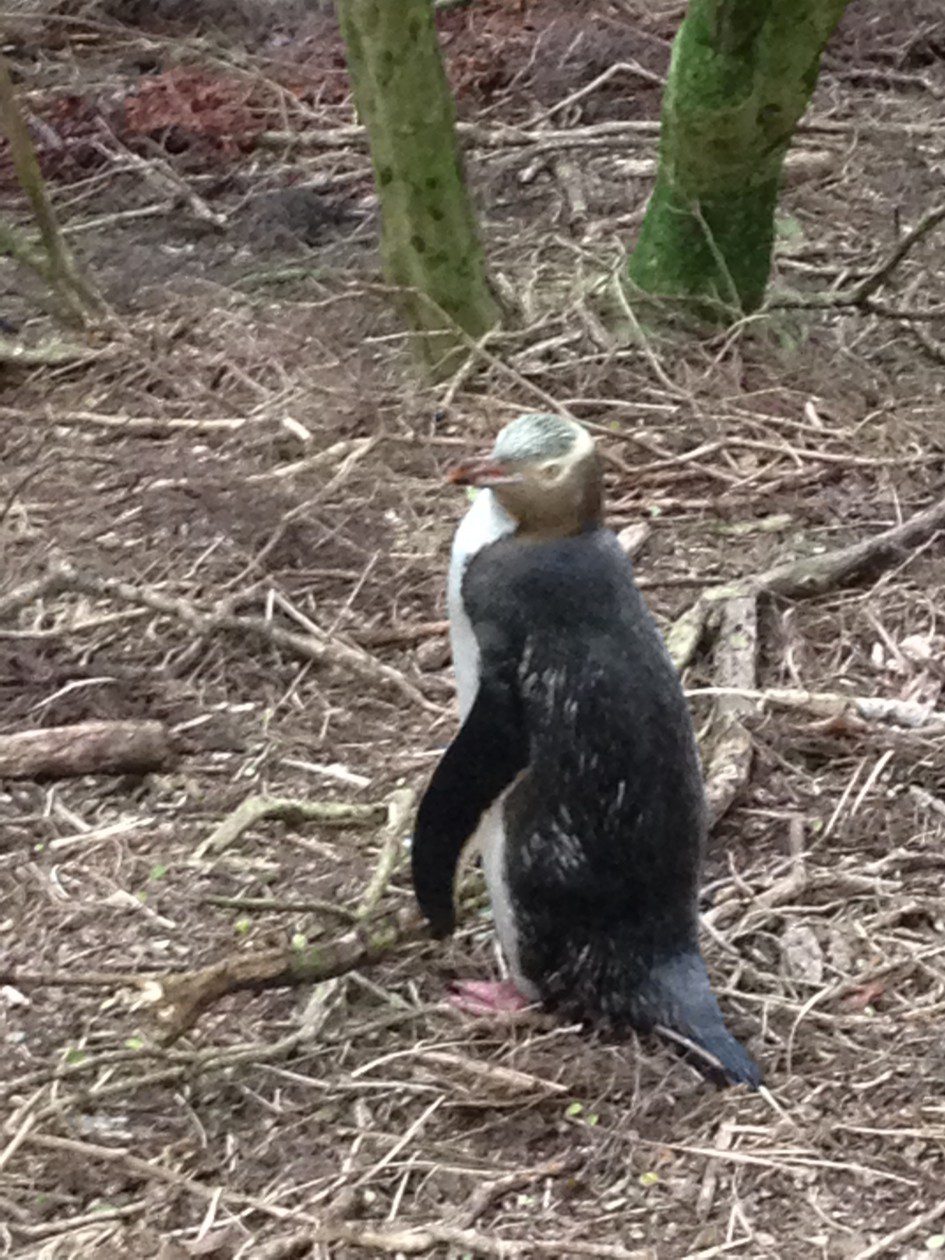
[[250, 438]]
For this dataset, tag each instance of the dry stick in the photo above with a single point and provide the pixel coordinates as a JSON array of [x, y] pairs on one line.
[[76, 294], [320, 649], [502, 137], [28, 593], [817, 575], [185, 996], [133, 1164], [487, 1193], [861, 294], [403, 635], [428, 1238], [734, 607], [21, 979], [161, 174], [735, 667], [265, 904], [872, 282], [879, 1248], [69, 1224], [710, 1180], [255, 808], [400, 808], [62, 752], [614, 133], [49, 354], [799, 579], [506, 1079], [833, 706]]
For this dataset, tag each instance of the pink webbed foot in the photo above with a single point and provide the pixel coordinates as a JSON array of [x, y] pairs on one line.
[[487, 997]]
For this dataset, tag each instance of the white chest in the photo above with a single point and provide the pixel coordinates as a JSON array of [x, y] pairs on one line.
[[485, 522]]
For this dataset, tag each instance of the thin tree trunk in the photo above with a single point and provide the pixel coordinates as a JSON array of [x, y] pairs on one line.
[[429, 241], [76, 295], [741, 76]]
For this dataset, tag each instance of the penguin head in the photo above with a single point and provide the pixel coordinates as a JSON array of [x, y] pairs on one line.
[[545, 473]]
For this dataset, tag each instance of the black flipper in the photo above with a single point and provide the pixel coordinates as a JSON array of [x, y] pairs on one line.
[[679, 1001], [484, 758]]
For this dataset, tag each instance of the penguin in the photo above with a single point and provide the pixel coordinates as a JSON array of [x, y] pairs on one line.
[[575, 771]]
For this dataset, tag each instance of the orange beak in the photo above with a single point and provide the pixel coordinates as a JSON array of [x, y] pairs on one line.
[[481, 472]]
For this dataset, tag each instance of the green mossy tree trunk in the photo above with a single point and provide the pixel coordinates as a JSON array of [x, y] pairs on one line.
[[429, 241], [741, 76]]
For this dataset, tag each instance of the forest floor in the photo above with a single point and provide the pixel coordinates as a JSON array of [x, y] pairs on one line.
[[250, 440]]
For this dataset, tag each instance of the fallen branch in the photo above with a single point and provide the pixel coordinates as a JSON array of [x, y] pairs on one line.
[[836, 708], [62, 752], [816, 575], [490, 1191], [400, 809], [318, 647], [732, 609], [157, 171], [22, 979], [438, 1239], [395, 636], [184, 997], [265, 905], [869, 284], [800, 579]]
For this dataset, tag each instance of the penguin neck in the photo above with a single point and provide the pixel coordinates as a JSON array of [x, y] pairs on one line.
[[484, 524]]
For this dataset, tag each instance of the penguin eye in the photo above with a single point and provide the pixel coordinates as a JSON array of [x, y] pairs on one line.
[[550, 471]]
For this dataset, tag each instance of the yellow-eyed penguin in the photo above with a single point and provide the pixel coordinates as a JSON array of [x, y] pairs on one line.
[[575, 767]]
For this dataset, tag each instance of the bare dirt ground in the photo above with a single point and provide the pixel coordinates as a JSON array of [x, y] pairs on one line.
[[251, 441]]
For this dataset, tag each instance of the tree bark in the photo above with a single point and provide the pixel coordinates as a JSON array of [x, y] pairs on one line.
[[429, 242], [62, 752], [741, 76]]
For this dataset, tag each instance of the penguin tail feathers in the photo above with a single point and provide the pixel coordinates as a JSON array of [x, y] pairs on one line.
[[681, 1007]]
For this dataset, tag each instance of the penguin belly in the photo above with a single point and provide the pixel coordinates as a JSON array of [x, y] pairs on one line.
[[490, 840]]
